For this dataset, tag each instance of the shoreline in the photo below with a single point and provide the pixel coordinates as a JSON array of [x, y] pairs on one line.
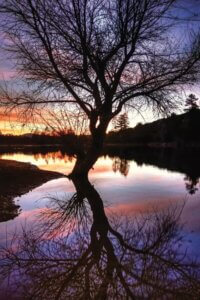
[[18, 178], [57, 147]]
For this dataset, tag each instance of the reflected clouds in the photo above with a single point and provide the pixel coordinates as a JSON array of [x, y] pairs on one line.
[[77, 250], [132, 184], [111, 238]]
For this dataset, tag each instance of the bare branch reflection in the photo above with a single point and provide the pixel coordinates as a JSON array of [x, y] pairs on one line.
[[71, 254]]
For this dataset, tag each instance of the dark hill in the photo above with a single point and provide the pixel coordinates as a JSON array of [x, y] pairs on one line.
[[179, 130]]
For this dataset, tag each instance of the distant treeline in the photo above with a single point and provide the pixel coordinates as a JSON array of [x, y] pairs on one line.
[[41, 139], [177, 129]]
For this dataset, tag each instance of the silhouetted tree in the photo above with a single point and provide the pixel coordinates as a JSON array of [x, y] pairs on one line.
[[191, 103], [173, 115], [121, 122], [98, 56], [139, 124]]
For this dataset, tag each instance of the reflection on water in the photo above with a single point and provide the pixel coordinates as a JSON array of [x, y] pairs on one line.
[[52, 161], [8, 209], [191, 184], [122, 165], [92, 256], [77, 250], [130, 182], [120, 162]]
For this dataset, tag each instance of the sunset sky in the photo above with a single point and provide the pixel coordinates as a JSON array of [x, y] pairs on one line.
[[12, 125]]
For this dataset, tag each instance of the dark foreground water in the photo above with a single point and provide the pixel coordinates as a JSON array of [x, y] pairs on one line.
[[129, 183]]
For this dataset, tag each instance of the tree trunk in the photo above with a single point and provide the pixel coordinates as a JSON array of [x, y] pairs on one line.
[[84, 163]]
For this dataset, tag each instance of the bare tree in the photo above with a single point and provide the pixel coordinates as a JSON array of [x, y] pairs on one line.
[[98, 55]]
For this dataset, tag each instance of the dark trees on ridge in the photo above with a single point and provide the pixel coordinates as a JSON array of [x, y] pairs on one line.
[[191, 103], [97, 56], [121, 122]]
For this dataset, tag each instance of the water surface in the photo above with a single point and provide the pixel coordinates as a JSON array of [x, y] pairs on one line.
[[125, 185]]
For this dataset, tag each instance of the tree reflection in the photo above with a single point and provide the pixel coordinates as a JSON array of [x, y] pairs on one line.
[[76, 251], [53, 156], [121, 165], [8, 209], [185, 161], [191, 183]]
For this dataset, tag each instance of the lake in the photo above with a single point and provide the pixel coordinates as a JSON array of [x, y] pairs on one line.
[[129, 183]]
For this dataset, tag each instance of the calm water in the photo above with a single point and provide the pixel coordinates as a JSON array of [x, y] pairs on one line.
[[125, 186]]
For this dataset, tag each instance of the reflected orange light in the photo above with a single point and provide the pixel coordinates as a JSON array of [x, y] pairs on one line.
[[52, 161]]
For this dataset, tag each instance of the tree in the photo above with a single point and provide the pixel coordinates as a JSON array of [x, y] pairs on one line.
[[121, 122], [98, 56], [191, 103]]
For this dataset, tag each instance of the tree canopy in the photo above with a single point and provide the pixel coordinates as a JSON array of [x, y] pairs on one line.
[[98, 55]]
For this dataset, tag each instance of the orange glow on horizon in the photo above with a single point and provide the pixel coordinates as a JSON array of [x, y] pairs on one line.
[[13, 128], [14, 124]]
